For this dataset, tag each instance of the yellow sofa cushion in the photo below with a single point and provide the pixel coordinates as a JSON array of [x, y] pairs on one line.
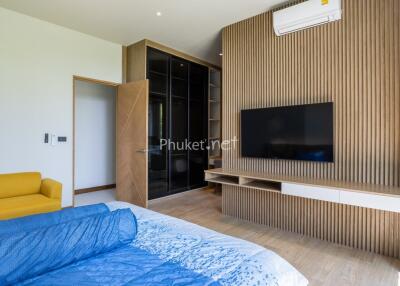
[[27, 205], [21, 184]]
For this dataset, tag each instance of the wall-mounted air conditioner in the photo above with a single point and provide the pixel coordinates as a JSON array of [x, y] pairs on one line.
[[306, 15]]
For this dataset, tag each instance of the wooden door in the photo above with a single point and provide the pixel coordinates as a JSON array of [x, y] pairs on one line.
[[132, 134]]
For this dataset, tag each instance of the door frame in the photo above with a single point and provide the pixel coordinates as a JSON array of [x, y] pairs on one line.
[[91, 80]]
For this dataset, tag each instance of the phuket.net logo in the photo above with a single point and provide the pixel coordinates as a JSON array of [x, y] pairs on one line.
[[201, 145]]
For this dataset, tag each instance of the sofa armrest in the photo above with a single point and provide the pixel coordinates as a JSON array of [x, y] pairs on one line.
[[51, 188]]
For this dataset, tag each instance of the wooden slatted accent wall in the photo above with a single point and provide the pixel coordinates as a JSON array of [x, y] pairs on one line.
[[355, 63], [366, 229]]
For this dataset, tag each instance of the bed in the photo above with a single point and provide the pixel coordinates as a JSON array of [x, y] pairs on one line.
[[122, 244]]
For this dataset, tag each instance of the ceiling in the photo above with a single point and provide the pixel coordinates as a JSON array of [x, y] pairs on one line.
[[191, 26]]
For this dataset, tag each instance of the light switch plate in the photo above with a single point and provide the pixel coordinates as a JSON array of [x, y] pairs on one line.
[[53, 139]]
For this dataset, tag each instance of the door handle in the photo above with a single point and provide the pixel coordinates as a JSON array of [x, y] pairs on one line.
[[141, 151]]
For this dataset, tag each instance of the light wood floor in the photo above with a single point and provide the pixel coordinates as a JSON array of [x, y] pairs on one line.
[[321, 262]]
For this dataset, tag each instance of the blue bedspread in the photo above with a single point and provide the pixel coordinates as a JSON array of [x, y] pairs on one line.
[[228, 260], [165, 251], [24, 255], [32, 222], [124, 266]]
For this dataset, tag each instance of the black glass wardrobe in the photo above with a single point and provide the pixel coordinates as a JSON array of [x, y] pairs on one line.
[[178, 113]]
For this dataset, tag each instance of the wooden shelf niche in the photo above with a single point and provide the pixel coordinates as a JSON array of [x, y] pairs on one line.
[[214, 117], [243, 181]]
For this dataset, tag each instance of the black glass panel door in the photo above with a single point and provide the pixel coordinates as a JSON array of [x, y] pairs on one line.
[[179, 125], [158, 84], [178, 112], [198, 123], [178, 172], [158, 65]]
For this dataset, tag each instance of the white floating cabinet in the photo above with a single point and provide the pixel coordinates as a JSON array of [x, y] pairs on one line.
[[310, 192], [385, 203]]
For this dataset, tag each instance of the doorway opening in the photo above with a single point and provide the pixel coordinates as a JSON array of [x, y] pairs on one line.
[[94, 151]]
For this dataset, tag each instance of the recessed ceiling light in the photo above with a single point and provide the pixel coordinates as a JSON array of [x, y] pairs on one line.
[[159, 14]]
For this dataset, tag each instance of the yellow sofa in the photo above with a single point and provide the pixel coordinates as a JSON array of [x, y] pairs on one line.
[[25, 194]]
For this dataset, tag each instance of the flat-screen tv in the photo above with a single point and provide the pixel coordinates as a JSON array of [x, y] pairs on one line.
[[302, 132]]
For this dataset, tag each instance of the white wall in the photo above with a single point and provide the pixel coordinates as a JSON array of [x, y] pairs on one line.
[[37, 62], [94, 135]]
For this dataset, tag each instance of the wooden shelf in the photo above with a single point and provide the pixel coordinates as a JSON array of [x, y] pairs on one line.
[[356, 194], [158, 73], [224, 180], [333, 184], [158, 93], [261, 185], [216, 157], [178, 97], [214, 116], [216, 176], [212, 160], [179, 78]]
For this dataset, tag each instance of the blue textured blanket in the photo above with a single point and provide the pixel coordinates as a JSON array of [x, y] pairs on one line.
[[28, 254], [124, 266], [29, 223], [83, 246], [98, 245]]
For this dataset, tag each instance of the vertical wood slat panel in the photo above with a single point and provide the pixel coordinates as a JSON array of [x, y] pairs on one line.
[[355, 63], [366, 229]]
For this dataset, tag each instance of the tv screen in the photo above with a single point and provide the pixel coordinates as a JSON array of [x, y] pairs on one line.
[[303, 132]]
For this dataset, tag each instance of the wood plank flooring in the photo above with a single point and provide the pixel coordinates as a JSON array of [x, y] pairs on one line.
[[323, 263]]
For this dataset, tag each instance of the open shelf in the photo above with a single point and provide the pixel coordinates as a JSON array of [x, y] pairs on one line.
[[215, 94], [215, 78], [214, 152], [214, 119], [260, 184], [242, 181], [222, 179]]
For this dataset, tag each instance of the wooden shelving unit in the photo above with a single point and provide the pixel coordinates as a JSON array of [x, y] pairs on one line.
[[222, 177], [178, 93], [214, 117], [341, 192]]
